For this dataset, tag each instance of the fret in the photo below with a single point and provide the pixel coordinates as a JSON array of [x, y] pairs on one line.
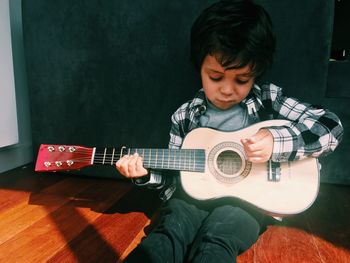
[[163, 159], [121, 152], [172, 159], [183, 160], [194, 160], [188, 158], [173, 167], [112, 156], [156, 162], [104, 156], [149, 157], [169, 159]]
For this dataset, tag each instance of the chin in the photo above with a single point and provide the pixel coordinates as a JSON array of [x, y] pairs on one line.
[[225, 106]]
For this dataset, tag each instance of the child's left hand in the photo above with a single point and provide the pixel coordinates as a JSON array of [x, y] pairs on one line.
[[258, 148]]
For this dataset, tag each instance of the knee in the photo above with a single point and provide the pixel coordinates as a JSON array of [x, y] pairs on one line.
[[234, 219], [179, 216]]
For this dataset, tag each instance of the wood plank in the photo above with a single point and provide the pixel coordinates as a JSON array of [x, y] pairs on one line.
[[317, 235], [248, 256], [44, 237], [113, 231], [330, 232], [31, 207], [15, 185], [286, 244], [330, 252]]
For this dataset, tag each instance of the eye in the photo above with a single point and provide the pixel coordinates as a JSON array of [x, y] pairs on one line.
[[216, 79], [242, 82]]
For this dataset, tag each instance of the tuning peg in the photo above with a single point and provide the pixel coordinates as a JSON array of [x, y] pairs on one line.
[[70, 162], [47, 164], [58, 163], [51, 148], [61, 148], [71, 149]]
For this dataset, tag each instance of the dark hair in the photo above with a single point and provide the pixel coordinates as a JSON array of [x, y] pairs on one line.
[[237, 33]]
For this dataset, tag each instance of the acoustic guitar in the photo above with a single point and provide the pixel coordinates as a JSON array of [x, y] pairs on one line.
[[212, 165]]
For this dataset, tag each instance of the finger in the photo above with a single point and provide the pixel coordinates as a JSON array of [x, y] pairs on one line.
[[258, 146], [254, 154], [132, 165], [122, 165], [121, 161], [257, 160], [259, 141], [249, 141], [261, 134], [257, 137], [244, 141], [139, 167]]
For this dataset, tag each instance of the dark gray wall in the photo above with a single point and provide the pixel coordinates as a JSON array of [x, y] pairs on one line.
[[112, 72]]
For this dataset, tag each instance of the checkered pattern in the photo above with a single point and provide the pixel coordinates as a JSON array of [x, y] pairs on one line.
[[313, 131]]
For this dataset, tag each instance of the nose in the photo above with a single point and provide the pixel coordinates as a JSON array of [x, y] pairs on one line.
[[227, 89]]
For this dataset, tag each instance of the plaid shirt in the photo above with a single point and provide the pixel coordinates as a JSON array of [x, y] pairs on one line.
[[313, 131]]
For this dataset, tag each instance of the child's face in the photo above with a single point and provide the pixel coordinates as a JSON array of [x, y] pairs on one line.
[[225, 87]]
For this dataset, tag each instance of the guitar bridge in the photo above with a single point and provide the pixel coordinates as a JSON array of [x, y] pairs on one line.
[[273, 171]]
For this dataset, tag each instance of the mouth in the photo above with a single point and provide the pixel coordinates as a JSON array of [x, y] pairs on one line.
[[226, 101], [225, 104]]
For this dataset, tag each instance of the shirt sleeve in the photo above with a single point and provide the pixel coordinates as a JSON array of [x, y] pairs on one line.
[[153, 180], [313, 131]]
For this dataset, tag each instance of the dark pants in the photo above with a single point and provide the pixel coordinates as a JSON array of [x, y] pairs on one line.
[[198, 232]]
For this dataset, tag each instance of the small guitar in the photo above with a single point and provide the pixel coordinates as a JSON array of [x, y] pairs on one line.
[[213, 164]]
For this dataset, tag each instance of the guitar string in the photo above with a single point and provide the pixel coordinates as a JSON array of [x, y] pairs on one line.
[[156, 162], [165, 158], [145, 155], [181, 154], [153, 160], [138, 150]]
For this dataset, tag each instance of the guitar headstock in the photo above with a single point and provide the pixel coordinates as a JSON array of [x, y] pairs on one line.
[[53, 157]]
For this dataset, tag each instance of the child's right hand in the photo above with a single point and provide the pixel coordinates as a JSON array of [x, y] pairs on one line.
[[131, 166]]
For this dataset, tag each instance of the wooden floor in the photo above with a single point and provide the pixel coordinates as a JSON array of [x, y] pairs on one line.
[[64, 218]]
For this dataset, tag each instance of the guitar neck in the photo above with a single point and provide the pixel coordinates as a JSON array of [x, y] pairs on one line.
[[165, 159]]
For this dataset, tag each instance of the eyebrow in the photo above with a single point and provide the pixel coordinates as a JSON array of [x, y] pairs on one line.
[[247, 75], [215, 71]]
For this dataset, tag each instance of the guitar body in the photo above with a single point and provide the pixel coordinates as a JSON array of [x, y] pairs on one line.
[[293, 191]]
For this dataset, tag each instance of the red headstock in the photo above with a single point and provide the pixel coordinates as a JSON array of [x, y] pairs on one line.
[[62, 157]]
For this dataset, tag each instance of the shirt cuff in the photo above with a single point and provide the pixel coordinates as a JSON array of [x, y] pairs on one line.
[[153, 180], [284, 144]]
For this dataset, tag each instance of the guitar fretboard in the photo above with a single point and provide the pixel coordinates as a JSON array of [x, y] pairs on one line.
[[166, 159]]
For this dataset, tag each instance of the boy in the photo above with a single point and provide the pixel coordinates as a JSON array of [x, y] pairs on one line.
[[232, 45]]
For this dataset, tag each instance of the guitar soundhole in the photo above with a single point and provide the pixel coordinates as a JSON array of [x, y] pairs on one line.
[[229, 162]]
